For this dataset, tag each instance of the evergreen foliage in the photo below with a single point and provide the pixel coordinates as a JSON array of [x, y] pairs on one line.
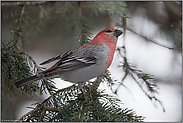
[[63, 104]]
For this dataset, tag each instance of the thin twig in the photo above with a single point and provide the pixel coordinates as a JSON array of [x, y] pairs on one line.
[[121, 82], [155, 42], [9, 4], [71, 104], [79, 117], [123, 15], [41, 115], [8, 52]]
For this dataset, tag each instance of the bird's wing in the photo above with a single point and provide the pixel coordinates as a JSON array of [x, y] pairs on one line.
[[61, 56], [68, 61]]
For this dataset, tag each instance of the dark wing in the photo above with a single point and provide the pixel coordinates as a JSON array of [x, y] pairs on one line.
[[68, 61], [61, 56]]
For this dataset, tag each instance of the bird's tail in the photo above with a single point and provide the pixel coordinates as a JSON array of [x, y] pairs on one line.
[[27, 80]]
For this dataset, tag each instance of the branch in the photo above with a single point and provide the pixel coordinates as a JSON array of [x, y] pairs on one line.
[[58, 92], [123, 15], [9, 4], [104, 114], [16, 36], [44, 108], [45, 13], [43, 79], [30, 112], [79, 117], [155, 42], [121, 83], [150, 97]]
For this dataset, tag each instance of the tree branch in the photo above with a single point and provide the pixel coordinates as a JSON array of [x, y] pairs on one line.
[[45, 13], [30, 112], [155, 42], [43, 79], [58, 92], [150, 97], [16, 36]]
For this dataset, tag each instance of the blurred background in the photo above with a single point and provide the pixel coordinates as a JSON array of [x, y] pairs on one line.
[[158, 21]]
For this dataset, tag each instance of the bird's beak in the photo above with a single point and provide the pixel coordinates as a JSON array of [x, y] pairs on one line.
[[117, 33]]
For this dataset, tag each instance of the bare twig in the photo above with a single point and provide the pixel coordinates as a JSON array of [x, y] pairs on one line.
[[79, 117], [9, 4], [155, 42], [123, 15], [121, 83]]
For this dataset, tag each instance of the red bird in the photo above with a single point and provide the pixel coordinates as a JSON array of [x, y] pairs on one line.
[[83, 63]]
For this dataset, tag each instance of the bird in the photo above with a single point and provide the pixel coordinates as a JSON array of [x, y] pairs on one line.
[[83, 63]]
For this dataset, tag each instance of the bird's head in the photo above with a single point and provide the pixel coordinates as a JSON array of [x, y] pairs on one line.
[[110, 32]]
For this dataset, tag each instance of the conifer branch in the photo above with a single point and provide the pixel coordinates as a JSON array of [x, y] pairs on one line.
[[40, 72], [121, 83], [130, 71], [45, 13], [18, 29], [63, 104], [106, 98], [150, 97], [58, 92], [41, 115], [83, 33], [28, 113], [104, 114]]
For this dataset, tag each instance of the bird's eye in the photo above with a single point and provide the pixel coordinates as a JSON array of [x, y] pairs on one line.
[[109, 31]]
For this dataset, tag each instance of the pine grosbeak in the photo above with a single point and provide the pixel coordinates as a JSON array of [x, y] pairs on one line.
[[83, 63]]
